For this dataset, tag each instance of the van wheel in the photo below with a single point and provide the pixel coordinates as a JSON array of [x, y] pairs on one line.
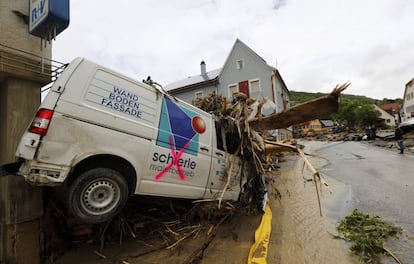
[[97, 195]]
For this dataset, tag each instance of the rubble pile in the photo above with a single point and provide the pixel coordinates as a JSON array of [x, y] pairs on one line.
[[244, 122], [156, 223], [387, 141], [391, 143]]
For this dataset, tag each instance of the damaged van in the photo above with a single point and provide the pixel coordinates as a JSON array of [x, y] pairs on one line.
[[104, 136]]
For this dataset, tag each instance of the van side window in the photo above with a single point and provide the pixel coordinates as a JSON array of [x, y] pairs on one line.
[[219, 138], [232, 144]]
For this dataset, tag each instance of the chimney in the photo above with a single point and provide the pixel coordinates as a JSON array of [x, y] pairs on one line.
[[203, 68]]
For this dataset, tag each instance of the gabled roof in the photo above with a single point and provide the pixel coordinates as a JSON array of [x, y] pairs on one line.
[[410, 82], [249, 50], [193, 81], [391, 108], [260, 59], [383, 112], [212, 77], [327, 123]]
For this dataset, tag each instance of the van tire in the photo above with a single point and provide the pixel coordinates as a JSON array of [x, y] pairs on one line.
[[97, 195]]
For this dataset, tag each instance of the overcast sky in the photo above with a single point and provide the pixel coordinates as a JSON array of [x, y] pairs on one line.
[[314, 44]]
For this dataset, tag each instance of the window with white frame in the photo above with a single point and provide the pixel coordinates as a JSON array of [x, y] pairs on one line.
[[255, 86], [233, 88], [199, 94], [240, 64]]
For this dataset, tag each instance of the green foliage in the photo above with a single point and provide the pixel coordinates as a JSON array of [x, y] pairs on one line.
[[346, 113], [356, 114], [367, 234], [301, 97], [367, 115], [387, 101]]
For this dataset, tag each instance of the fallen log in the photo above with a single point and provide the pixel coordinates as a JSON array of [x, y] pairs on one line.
[[314, 109]]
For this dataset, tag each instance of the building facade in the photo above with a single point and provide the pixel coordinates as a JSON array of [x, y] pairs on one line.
[[385, 117], [316, 127], [243, 71], [407, 110]]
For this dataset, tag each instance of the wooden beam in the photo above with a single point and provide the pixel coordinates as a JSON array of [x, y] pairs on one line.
[[307, 111]]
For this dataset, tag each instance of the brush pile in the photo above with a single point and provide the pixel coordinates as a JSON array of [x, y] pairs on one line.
[[244, 123], [368, 234]]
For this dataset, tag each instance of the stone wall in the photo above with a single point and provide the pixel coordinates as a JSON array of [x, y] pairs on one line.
[[20, 203]]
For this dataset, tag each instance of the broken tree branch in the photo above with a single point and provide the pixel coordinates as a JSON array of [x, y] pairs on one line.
[[280, 147], [392, 255], [229, 174], [183, 238], [314, 171], [315, 174], [198, 253], [310, 110]]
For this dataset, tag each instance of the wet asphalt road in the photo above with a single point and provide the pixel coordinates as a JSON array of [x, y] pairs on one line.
[[374, 180]]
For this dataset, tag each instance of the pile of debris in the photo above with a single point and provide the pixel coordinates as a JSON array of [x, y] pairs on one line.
[[391, 142], [244, 122], [388, 141], [154, 222]]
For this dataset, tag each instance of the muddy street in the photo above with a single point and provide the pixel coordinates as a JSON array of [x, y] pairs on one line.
[[374, 180], [377, 181], [298, 233]]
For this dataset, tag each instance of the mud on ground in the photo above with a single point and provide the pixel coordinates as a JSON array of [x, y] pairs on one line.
[[299, 234]]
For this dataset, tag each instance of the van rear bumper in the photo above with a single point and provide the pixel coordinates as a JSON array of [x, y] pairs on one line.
[[43, 174]]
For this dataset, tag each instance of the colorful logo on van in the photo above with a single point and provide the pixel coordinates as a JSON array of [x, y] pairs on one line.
[[179, 128]]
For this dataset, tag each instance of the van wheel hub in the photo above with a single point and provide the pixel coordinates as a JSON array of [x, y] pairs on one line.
[[100, 196]]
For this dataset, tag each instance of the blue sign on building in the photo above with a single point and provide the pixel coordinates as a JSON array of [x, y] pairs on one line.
[[48, 18]]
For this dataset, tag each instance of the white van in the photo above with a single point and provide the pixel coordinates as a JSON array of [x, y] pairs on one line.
[[106, 136]]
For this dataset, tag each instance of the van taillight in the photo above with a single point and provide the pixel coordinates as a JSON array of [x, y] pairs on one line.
[[41, 122]]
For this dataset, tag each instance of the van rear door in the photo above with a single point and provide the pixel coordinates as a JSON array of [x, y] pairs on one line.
[[31, 138]]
